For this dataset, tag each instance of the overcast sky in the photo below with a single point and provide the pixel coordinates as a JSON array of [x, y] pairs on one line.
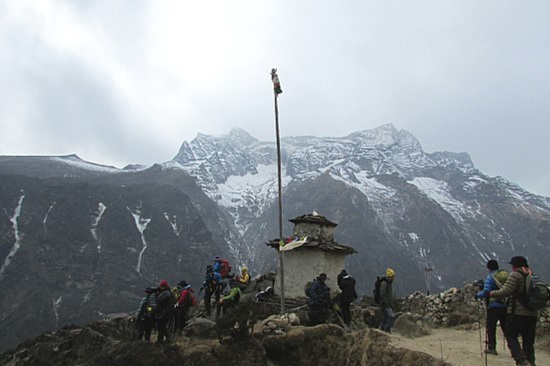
[[121, 82]]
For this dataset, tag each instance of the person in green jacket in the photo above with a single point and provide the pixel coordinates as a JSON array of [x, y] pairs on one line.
[[232, 299], [521, 320], [386, 301]]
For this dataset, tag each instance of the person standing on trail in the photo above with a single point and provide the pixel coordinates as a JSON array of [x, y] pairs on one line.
[[318, 300], [211, 286], [386, 301], [346, 283], [217, 264], [521, 320], [165, 303], [146, 314], [496, 308]]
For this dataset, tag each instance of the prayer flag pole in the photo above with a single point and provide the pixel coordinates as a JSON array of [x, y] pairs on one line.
[[276, 91]]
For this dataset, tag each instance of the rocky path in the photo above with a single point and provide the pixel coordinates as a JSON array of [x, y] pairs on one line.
[[462, 348]]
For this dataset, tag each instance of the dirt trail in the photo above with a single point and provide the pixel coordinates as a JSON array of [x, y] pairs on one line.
[[462, 348]]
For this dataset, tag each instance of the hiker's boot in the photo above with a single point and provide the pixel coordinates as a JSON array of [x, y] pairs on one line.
[[491, 352]]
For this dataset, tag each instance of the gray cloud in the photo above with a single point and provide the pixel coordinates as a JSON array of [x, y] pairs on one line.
[[128, 82]]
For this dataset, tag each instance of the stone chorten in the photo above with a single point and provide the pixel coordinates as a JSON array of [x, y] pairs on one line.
[[318, 253]]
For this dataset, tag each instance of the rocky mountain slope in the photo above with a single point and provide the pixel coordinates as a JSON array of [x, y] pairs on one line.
[[434, 217], [79, 240]]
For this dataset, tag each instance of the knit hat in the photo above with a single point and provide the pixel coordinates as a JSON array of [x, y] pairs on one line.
[[217, 258], [492, 265], [182, 284], [163, 284], [519, 261], [390, 272]]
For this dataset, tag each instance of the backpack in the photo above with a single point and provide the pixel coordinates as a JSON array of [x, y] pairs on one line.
[[536, 294], [376, 290], [176, 293], [500, 277], [191, 300], [151, 306], [307, 286], [225, 268]]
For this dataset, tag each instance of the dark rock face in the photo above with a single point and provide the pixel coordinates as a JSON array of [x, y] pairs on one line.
[[81, 254]]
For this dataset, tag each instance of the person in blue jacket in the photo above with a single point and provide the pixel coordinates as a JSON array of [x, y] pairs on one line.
[[496, 308]]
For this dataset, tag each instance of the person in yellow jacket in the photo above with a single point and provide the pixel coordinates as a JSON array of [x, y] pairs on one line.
[[387, 308], [244, 278]]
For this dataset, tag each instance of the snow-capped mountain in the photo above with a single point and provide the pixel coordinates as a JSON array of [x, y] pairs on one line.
[[82, 239], [239, 173]]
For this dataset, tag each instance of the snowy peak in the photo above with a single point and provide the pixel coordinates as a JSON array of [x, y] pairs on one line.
[[385, 135], [383, 150], [241, 138]]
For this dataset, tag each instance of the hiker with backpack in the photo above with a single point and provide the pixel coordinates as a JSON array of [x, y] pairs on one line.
[[318, 300], [232, 299], [386, 302], [212, 286], [165, 303], [496, 308], [522, 316], [346, 283], [146, 314], [185, 302], [217, 266], [244, 278], [176, 292]]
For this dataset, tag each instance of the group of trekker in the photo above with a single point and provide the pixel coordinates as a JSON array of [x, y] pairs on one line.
[[165, 307], [507, 301], [320, 304], [513, 300], [319, 299], [168, 308]]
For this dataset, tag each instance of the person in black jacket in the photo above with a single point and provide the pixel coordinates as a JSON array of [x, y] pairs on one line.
[[319, 300], [146, 314], [346, 283], [165, 303]]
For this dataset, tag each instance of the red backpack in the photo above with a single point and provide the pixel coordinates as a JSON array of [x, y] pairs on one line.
[[225, 268]]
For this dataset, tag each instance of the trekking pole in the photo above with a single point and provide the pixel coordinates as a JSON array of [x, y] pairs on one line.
[[479, 327], [297, 308]]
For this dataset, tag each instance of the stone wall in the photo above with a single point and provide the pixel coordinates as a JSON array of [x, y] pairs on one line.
[[452, 307]]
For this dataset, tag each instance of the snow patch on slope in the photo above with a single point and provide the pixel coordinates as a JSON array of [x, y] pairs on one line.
[[44, 222], [95, 221], [141, 224], [438, 191], [17, 243], [174, 223], [256, 191]]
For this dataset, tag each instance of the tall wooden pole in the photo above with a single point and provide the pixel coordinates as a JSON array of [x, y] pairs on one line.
[[276, 92]]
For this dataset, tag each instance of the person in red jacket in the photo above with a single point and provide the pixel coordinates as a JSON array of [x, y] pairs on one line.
[[186, 301]]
